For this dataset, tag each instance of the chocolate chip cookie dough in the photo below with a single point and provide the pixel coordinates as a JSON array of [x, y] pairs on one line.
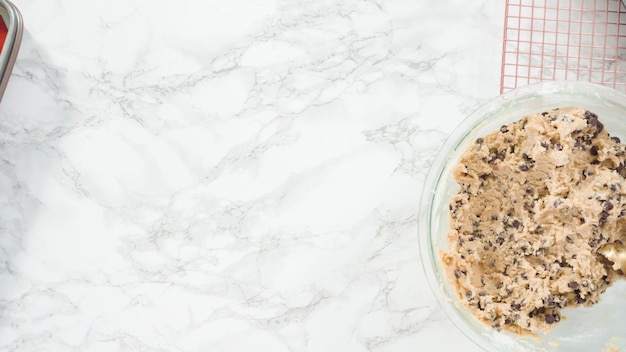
[[537, 199]]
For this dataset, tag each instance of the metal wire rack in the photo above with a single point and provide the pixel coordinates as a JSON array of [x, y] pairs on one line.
[[564, 40]]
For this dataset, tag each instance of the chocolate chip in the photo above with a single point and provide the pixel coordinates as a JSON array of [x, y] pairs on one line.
[[502, 154], [616, 139], [500, 240], [550, 318], [569, 239], [594, 122], [516, 224], [545, 145], [562, 264], [544, 113], [479, 141], [604, 215], [573, 284], [599, 128], [606, 205], [516, 307], [580, 300], [524, 167], [536, 312], [494, 217], [593, 150], [587, 173], [504, 129], [468, 294], [588, 114], [457, 273], [621, 170], [595, 162]]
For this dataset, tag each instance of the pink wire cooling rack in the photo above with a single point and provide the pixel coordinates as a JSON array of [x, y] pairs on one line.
[[564, 40]]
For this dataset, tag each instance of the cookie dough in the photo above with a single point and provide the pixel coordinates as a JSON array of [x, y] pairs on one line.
[[537, 199]]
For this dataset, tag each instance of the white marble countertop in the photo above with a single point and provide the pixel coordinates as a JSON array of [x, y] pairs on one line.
[[230, 175]]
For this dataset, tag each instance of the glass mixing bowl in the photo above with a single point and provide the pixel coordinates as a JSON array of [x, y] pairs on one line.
[[596, 328]]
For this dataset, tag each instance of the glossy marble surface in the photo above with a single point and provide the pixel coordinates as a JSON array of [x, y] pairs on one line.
[[230, 175]]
